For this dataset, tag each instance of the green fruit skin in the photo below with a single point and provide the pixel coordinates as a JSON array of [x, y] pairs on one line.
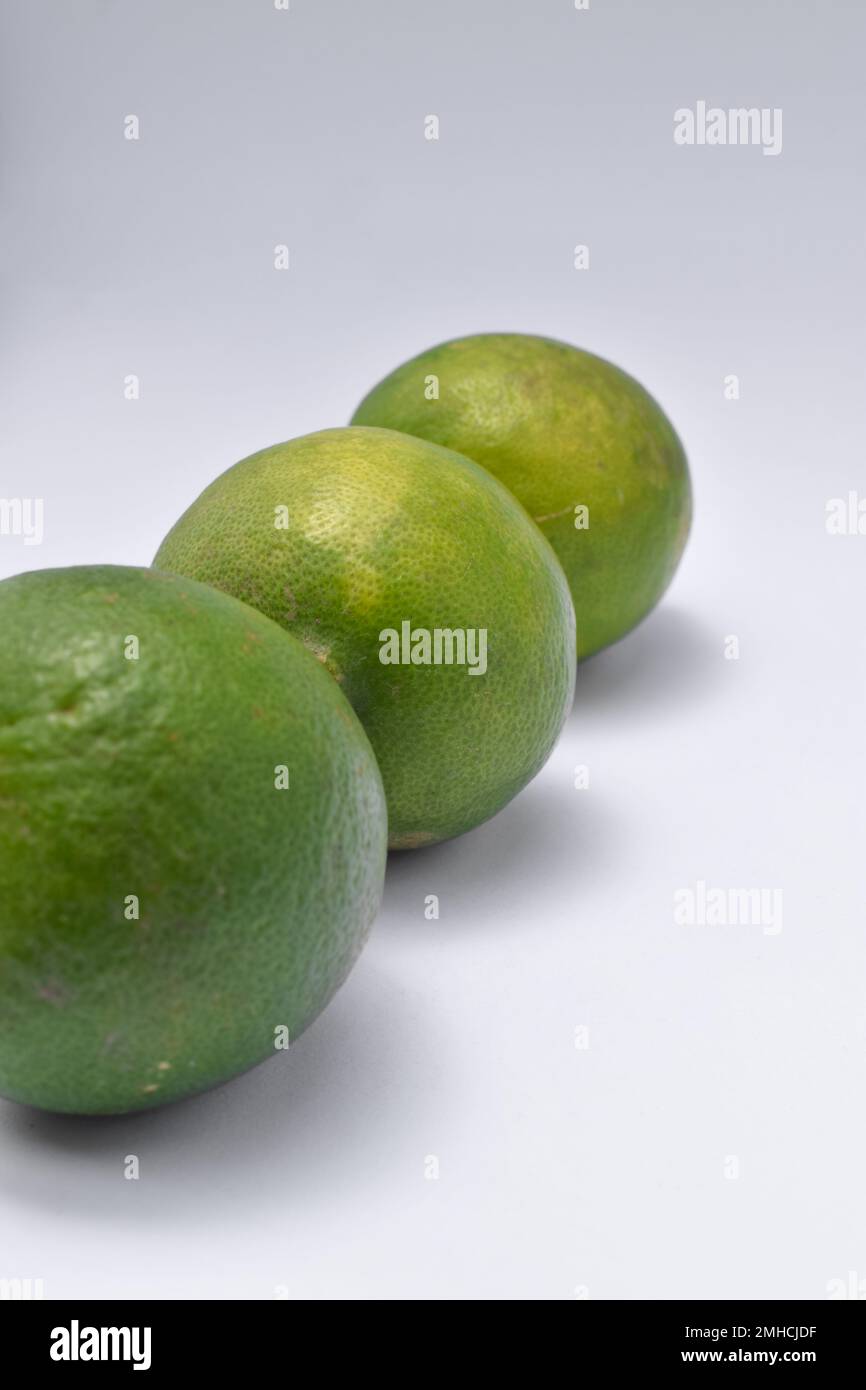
[[383, 528], [156, 777], [560, 428]]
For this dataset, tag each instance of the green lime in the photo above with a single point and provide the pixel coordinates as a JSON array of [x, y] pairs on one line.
[[192, 838], [589, 453], [423, 587]]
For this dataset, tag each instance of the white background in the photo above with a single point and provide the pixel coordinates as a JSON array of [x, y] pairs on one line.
[[563, 1171]]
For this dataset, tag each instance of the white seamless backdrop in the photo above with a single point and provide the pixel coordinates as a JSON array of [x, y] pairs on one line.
[[621, 1104]]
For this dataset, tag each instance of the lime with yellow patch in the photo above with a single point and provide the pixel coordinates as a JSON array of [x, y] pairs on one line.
[[192, 838], [592, 457], [423, 587]]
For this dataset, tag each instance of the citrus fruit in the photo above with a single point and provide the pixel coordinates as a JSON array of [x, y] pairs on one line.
[[589, 453], [423, 587], [192, 838]]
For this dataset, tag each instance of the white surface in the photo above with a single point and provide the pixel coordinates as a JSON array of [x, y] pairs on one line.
[[561, 1169]]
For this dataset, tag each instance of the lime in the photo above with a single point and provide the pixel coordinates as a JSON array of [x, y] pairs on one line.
[[426, 591], [192, 838], [589, 453]]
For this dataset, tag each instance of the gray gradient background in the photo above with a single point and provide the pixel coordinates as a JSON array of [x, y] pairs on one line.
[[562, 1171]]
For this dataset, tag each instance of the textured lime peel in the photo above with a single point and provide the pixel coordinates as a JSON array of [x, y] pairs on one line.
[[350, 537], [192, 838], [589, 453]]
